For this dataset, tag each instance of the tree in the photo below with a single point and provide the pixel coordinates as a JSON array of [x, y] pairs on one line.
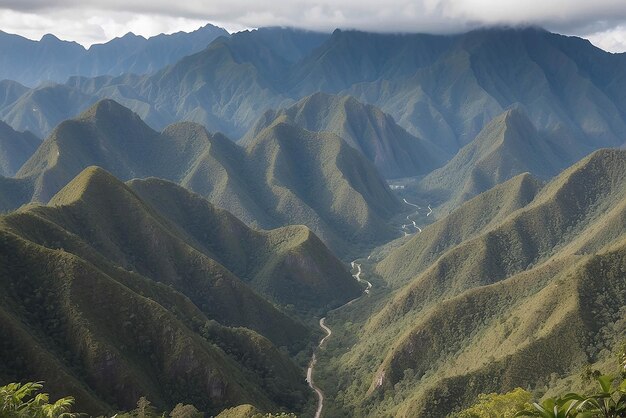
[[22, 401], [496, 405]]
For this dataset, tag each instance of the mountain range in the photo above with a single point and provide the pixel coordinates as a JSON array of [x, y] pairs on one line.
[[111, 273], [187, 221], [443, 89], [50, 59], [534, 278], [285, 175]]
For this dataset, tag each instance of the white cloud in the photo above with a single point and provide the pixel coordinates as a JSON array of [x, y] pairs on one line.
[[89, 21]]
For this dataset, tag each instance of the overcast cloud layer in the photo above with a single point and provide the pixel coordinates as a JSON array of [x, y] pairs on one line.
[[95, 21]]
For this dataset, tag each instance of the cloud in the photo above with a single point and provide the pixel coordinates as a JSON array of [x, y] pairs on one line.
[[90, 21]]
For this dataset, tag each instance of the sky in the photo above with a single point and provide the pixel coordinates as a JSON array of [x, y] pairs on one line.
[[603, 22]]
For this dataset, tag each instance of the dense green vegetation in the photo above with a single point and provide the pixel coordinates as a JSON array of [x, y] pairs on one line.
[[541, 290], [120, 296], [285, 176], [507, 146], [160, 288]]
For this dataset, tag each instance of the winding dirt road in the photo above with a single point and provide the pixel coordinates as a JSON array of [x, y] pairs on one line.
[[328, 331]]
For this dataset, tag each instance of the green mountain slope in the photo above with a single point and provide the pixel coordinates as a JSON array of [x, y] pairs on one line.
[[507, 146], [289, 265], [121, 296], [444, 89], [474, 217], [540, 289], [394, 152], [285, 176]]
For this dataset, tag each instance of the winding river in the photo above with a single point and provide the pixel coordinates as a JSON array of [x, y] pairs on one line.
[[328, 331]]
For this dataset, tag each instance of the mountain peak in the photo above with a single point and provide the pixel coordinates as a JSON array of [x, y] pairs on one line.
[[92, 182], [109, 109]]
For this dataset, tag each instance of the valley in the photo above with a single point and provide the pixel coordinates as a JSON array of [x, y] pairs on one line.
[[284, 221]]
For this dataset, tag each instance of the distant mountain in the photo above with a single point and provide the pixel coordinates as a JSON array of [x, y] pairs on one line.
[[507, 146], [51, 59], [153, 269], [443, 89], [538, 290], [394, 152], [284, 176], [15, 149]]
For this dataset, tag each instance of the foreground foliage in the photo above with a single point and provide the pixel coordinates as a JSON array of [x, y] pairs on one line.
[[26, 400], [608, 402]]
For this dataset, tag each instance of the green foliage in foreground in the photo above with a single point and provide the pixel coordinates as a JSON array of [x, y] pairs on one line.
[[608, 402], [23, 400]]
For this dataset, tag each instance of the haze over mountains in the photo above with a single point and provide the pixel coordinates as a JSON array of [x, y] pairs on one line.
[[51, 59], [193, 208], [285, 175]]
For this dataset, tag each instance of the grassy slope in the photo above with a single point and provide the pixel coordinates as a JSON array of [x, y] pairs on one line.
[[473, 218], [157, 250], [110, 337], [289, 265], [515, 291]]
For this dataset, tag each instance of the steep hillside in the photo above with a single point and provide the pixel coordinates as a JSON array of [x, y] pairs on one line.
[[507, 146], [474, 217], [285, 176], [540, 290], [319, 180], [444, 89], [394, 152], [15, 149], [290, 266], [158, 270]]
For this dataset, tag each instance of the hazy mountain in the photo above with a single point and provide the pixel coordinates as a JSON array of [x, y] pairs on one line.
[[538, 290], [394, 152], [444, 89], [507, 146], [15, 149], [41, 110], [284, 176], [51, 59], [153, 269]]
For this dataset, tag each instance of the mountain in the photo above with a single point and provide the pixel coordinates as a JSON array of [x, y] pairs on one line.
[[289, 266], [394, 152], [507, 146], [15, 149], [285, 176], [41, 110], [470, 219], [51, 59], [540, 290], [442, 88], [122, 297]]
